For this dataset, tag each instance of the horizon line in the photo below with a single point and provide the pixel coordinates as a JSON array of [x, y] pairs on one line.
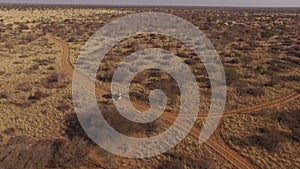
[[133, 5]]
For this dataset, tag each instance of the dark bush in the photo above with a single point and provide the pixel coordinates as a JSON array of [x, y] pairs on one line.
[[25, 152], [234, 61], [254, 91], [9, 131], [265, 138], [63, 107], [138, 96], [22, 102], [294, 53], [295, 78], [24, 86], [182, 55], [54, 80], [17, 62], [50, 68], [43, 62], [112, 117], [4, 95], [292, 60], [29, 38], [296, 134], [277, 47], [72, 39], [172, 164], [23, 26], [2, 72], [240, 87], [191, 62], [231, 75], [69, 153], [260, 69], [37, 95], [278, 65], [178, 160], [105, 76], [275, 80], [267, 34], [23, 56], [8, 45], [74, 129], [264, 141], [32, 68], [290, 119], [1, 138]]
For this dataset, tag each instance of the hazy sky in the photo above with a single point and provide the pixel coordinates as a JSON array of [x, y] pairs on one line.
[[257, 3]]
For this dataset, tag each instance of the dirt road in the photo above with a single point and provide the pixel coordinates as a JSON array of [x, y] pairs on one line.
[[230, 155]]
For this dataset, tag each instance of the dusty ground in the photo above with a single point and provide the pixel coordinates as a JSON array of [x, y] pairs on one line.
[[259, 49]]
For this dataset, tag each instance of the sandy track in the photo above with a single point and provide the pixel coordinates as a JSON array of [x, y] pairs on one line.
[[225, 152]]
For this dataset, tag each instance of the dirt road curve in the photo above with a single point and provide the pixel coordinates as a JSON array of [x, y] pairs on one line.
[[227, 153]]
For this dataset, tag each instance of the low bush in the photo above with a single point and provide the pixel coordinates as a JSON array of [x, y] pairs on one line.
[[267, 34], [291, 120], [2, 72], [265, 138], [21, 102], [177, 160], [105, 76], [231, 75], [292, 60], [71, 39], [29, 38], [191, 62], [43, 62], [9, 131], [296, 134], [260, 69], [25, 152], [37, 95], [8, 45], [278, 65], [234, 61], [112, 117], [4, 95], [269, 139], [54, 80], [63, 107], [295, 78], [254, 91], [293, 53], [171, 164], [24, 86]]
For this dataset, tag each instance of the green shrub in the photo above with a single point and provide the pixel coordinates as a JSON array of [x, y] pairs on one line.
[[231, 75], [267, 34]]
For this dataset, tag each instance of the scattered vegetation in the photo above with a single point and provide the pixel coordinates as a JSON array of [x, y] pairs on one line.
[[55, 80], [291, 120], [37, 95], [265, 138], [24, 86], [254, 91], [4, 95], [181, 161], [231, 75], [267, 34], [26, 152]]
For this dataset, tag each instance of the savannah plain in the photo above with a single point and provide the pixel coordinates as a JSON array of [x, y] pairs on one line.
[[260, 51]]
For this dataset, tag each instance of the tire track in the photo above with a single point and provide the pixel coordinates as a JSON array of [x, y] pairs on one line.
[[227, 153]]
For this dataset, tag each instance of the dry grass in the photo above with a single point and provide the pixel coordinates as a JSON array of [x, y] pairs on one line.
[[259, 49]]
